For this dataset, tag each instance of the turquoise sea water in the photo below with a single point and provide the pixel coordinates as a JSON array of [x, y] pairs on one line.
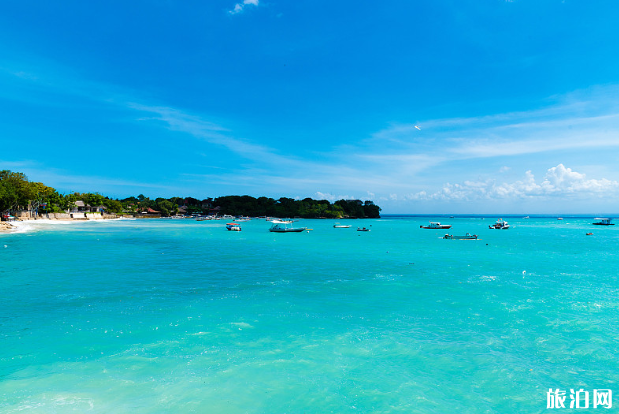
[[180, 316]]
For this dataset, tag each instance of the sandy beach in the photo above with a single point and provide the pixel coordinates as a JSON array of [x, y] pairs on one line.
[[20, 226], [6, 226]]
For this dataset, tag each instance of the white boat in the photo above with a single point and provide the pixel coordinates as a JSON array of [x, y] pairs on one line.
[[276, 220], [467, 236], [499, 225], [280, 226], [436, 225], [233, 226], [603, 222], [341, 226]]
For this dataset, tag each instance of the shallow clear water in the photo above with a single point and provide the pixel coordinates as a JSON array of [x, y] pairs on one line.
[[180, 316]]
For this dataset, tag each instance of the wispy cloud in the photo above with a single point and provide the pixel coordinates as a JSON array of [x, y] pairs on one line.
[[331, 197], [559, 182], [510, 134], [239, 7]]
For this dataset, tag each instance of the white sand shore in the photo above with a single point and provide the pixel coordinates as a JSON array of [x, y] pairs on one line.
[[22, 226], [6, 227]]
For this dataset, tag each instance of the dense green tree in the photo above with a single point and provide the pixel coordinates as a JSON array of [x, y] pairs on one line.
[[113, 206], [55, 203], [93, 199], [166, 207], [371, 210], [15, 190]]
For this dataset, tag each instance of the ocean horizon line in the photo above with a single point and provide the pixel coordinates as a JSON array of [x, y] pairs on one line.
[[511, 215]]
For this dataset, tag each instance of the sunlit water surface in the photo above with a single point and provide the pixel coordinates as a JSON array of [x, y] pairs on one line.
[[181, 316]]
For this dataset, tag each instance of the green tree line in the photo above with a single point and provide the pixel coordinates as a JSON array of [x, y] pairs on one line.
[[288, 207], [18, 193]]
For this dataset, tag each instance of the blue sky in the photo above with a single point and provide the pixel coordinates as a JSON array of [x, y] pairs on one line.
[[422, 106]]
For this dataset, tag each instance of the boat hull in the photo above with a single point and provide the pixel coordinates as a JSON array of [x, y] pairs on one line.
[[296, 230], [466, 237]]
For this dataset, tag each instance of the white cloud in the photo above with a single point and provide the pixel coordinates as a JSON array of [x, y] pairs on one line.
[[559, 181], [239, 7], [330, 197]]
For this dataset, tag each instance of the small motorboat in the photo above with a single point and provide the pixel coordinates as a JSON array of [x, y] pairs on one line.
[[362, 229], [233, 226], [285, 227], [467, 236], [436, 225], [499, 225], [603, 222]]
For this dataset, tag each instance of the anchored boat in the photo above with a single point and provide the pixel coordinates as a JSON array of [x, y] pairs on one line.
[[285, 227], [603, 222], [467, 236], [499, 225], [233, 226], [341, 226], [436, 225]]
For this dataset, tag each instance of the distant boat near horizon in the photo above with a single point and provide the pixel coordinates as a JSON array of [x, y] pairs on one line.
[[603, 221], [499, 225], [436, 226]]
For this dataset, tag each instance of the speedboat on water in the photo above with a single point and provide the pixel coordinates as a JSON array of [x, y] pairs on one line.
[[467, 236], [603, 222], [362, 229], [436, 225], [233, 226], [341, 226], [285, 227], [499, 225]]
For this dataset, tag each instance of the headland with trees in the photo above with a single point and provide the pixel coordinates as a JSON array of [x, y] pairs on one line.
[[18, 194]]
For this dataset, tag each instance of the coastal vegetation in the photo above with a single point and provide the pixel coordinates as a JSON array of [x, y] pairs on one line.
[[17, 193]]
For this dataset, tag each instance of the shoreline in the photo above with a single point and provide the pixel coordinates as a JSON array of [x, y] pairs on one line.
[[6, 227], [22, 223]]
